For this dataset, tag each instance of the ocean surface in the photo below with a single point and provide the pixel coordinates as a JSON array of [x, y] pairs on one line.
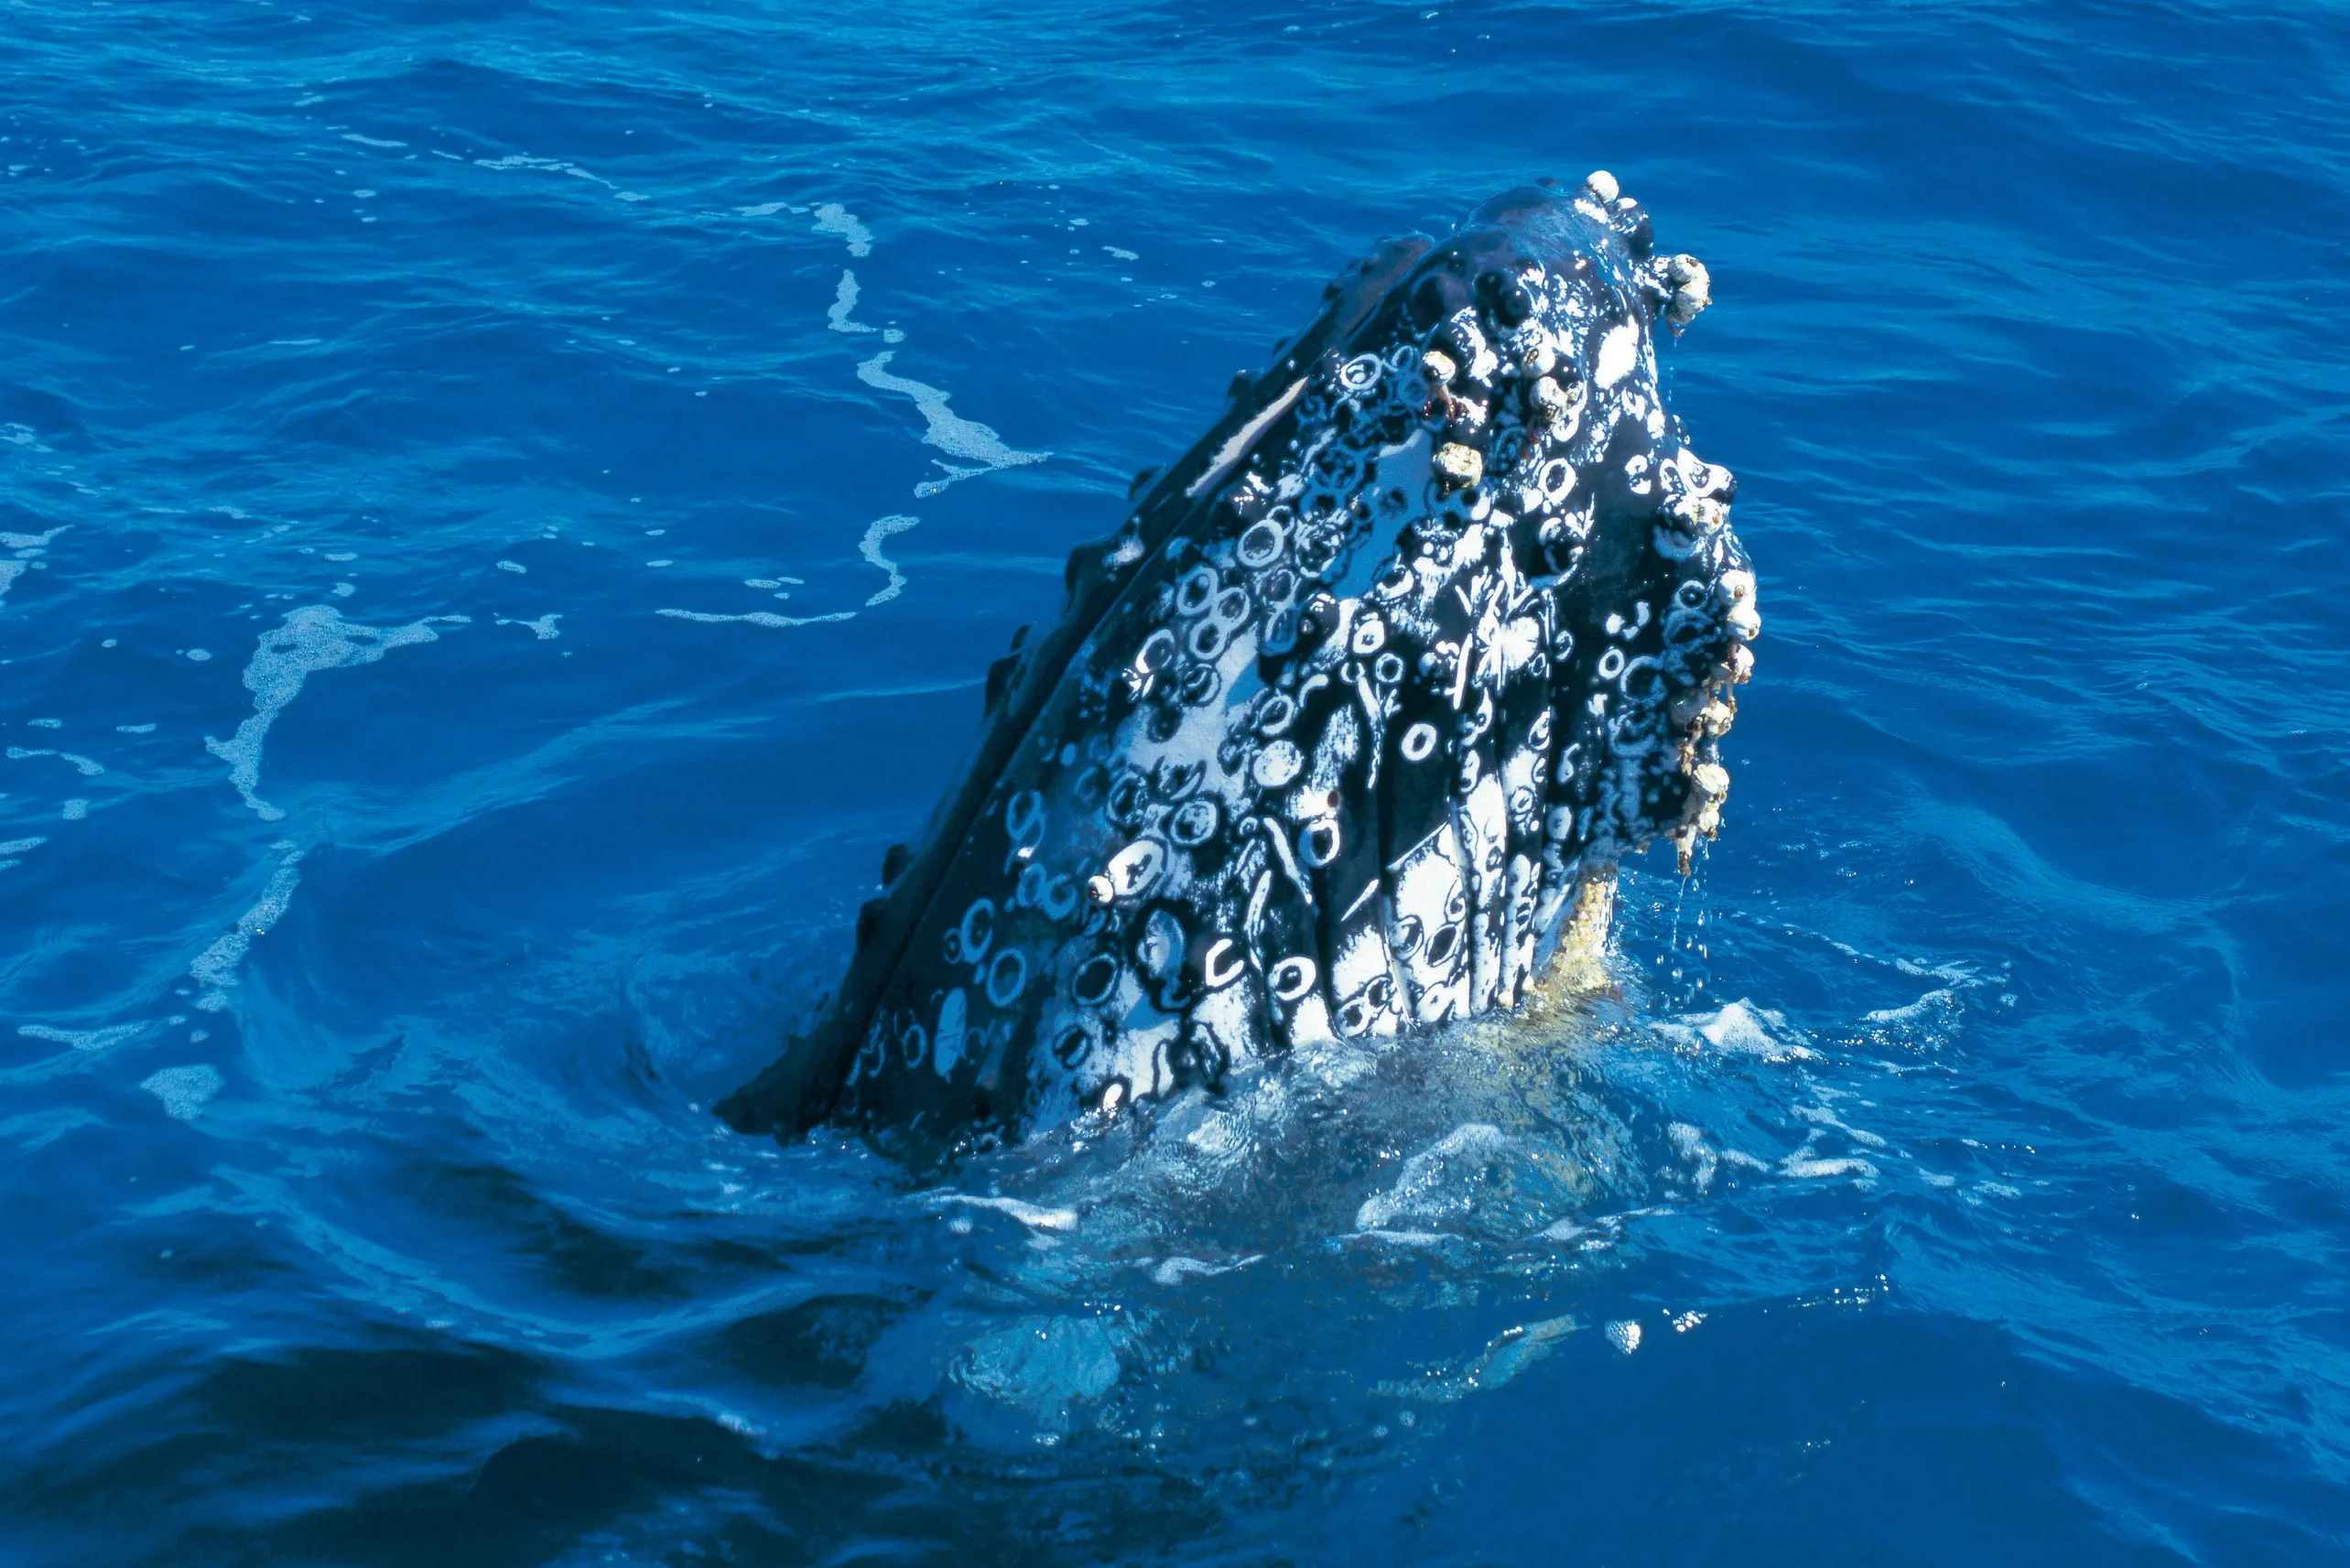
[[504, 512]]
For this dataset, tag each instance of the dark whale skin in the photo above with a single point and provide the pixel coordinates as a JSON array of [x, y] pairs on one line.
[[1345, 727]]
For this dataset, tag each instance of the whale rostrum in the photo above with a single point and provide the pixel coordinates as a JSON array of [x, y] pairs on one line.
[[1344, 732]]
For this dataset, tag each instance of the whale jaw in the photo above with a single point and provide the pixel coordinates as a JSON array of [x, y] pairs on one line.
[[1344, 733]]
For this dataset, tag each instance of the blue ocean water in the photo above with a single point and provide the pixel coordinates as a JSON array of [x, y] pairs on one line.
[[506, 509]]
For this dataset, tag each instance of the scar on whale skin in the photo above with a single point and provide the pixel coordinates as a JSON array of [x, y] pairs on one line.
[[1344, 732]]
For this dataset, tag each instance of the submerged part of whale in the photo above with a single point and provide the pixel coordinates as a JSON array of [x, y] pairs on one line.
[[1345, 731]]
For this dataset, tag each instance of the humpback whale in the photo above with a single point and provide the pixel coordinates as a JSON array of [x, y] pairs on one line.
[[1344, 732]]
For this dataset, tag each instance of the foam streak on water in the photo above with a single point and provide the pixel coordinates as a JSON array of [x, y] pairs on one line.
[[464, 651]]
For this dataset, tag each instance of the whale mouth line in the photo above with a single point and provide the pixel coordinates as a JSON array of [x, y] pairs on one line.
[[1344, 732]]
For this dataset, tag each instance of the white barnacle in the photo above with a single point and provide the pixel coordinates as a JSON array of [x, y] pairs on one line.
[[1690, 520], [1518, 643], [1277, 764], [1134, 869], [1692, 290], [1736, 589], [1458, 466], [1551, 405]]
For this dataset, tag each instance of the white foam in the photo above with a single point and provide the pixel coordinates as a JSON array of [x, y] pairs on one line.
[[1405, 1238], [184, 1091], [844, 304], [1805, 1168], [315, 637], [758, 617], [870, 547], [1933, 1003], [81, 1039], [543, 627], [834, 219], [1176, 1271], [556, 165], [29, 548], [1736, 1027], [1028, 1214], [215, 967], [944, 429], [1821, 1115], [1689, 1142]]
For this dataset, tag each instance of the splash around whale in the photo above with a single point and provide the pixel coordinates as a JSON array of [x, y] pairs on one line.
[[1343, 734]]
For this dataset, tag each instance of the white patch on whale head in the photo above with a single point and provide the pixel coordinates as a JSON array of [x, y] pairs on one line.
[[1618, 352]]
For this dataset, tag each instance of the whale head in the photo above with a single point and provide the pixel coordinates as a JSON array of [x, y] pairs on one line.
[[1347, 727]]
